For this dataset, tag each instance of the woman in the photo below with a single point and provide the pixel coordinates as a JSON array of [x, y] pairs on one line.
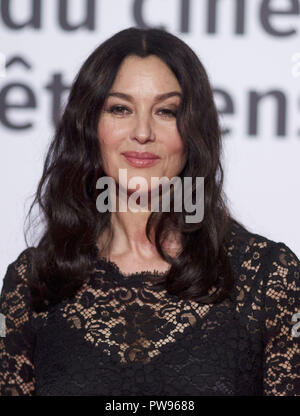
[[141, 302]]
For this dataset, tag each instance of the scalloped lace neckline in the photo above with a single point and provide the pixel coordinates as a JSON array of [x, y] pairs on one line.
[[143, 273]]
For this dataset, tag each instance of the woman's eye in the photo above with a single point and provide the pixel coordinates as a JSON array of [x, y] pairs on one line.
[[117, 109], [168, 112]]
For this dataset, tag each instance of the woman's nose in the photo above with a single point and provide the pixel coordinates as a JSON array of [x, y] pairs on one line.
[[143, 129]]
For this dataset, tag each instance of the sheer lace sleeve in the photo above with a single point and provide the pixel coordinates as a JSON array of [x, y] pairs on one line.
[[281, 359], [17, 338]]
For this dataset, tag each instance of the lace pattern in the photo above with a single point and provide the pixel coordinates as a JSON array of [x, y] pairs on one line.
[[120, 335]]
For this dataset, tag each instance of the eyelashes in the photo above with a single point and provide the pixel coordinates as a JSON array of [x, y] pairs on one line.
[[119, 110]]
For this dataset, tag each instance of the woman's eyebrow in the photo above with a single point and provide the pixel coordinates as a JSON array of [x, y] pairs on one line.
[[157, 98]]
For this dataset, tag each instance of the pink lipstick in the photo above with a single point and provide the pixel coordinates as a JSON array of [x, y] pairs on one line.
[[141, 159]]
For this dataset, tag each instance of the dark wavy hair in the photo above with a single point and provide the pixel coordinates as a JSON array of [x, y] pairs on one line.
[[66, 193]]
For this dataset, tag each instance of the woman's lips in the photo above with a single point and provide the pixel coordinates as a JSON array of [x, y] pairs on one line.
[[141, 155], [141, 159]]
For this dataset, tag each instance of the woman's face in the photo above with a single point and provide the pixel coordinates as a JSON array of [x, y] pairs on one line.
[[141, 122]]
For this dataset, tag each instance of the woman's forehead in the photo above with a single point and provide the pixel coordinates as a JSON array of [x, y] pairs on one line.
[[149, 69]]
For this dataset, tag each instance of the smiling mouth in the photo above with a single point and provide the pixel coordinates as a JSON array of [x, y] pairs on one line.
[[141, 155], [141, 162]]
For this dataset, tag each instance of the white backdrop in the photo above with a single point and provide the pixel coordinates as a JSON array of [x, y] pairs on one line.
[[250, 49]]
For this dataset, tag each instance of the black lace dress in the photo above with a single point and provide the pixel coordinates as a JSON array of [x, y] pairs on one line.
[[121, 336]]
